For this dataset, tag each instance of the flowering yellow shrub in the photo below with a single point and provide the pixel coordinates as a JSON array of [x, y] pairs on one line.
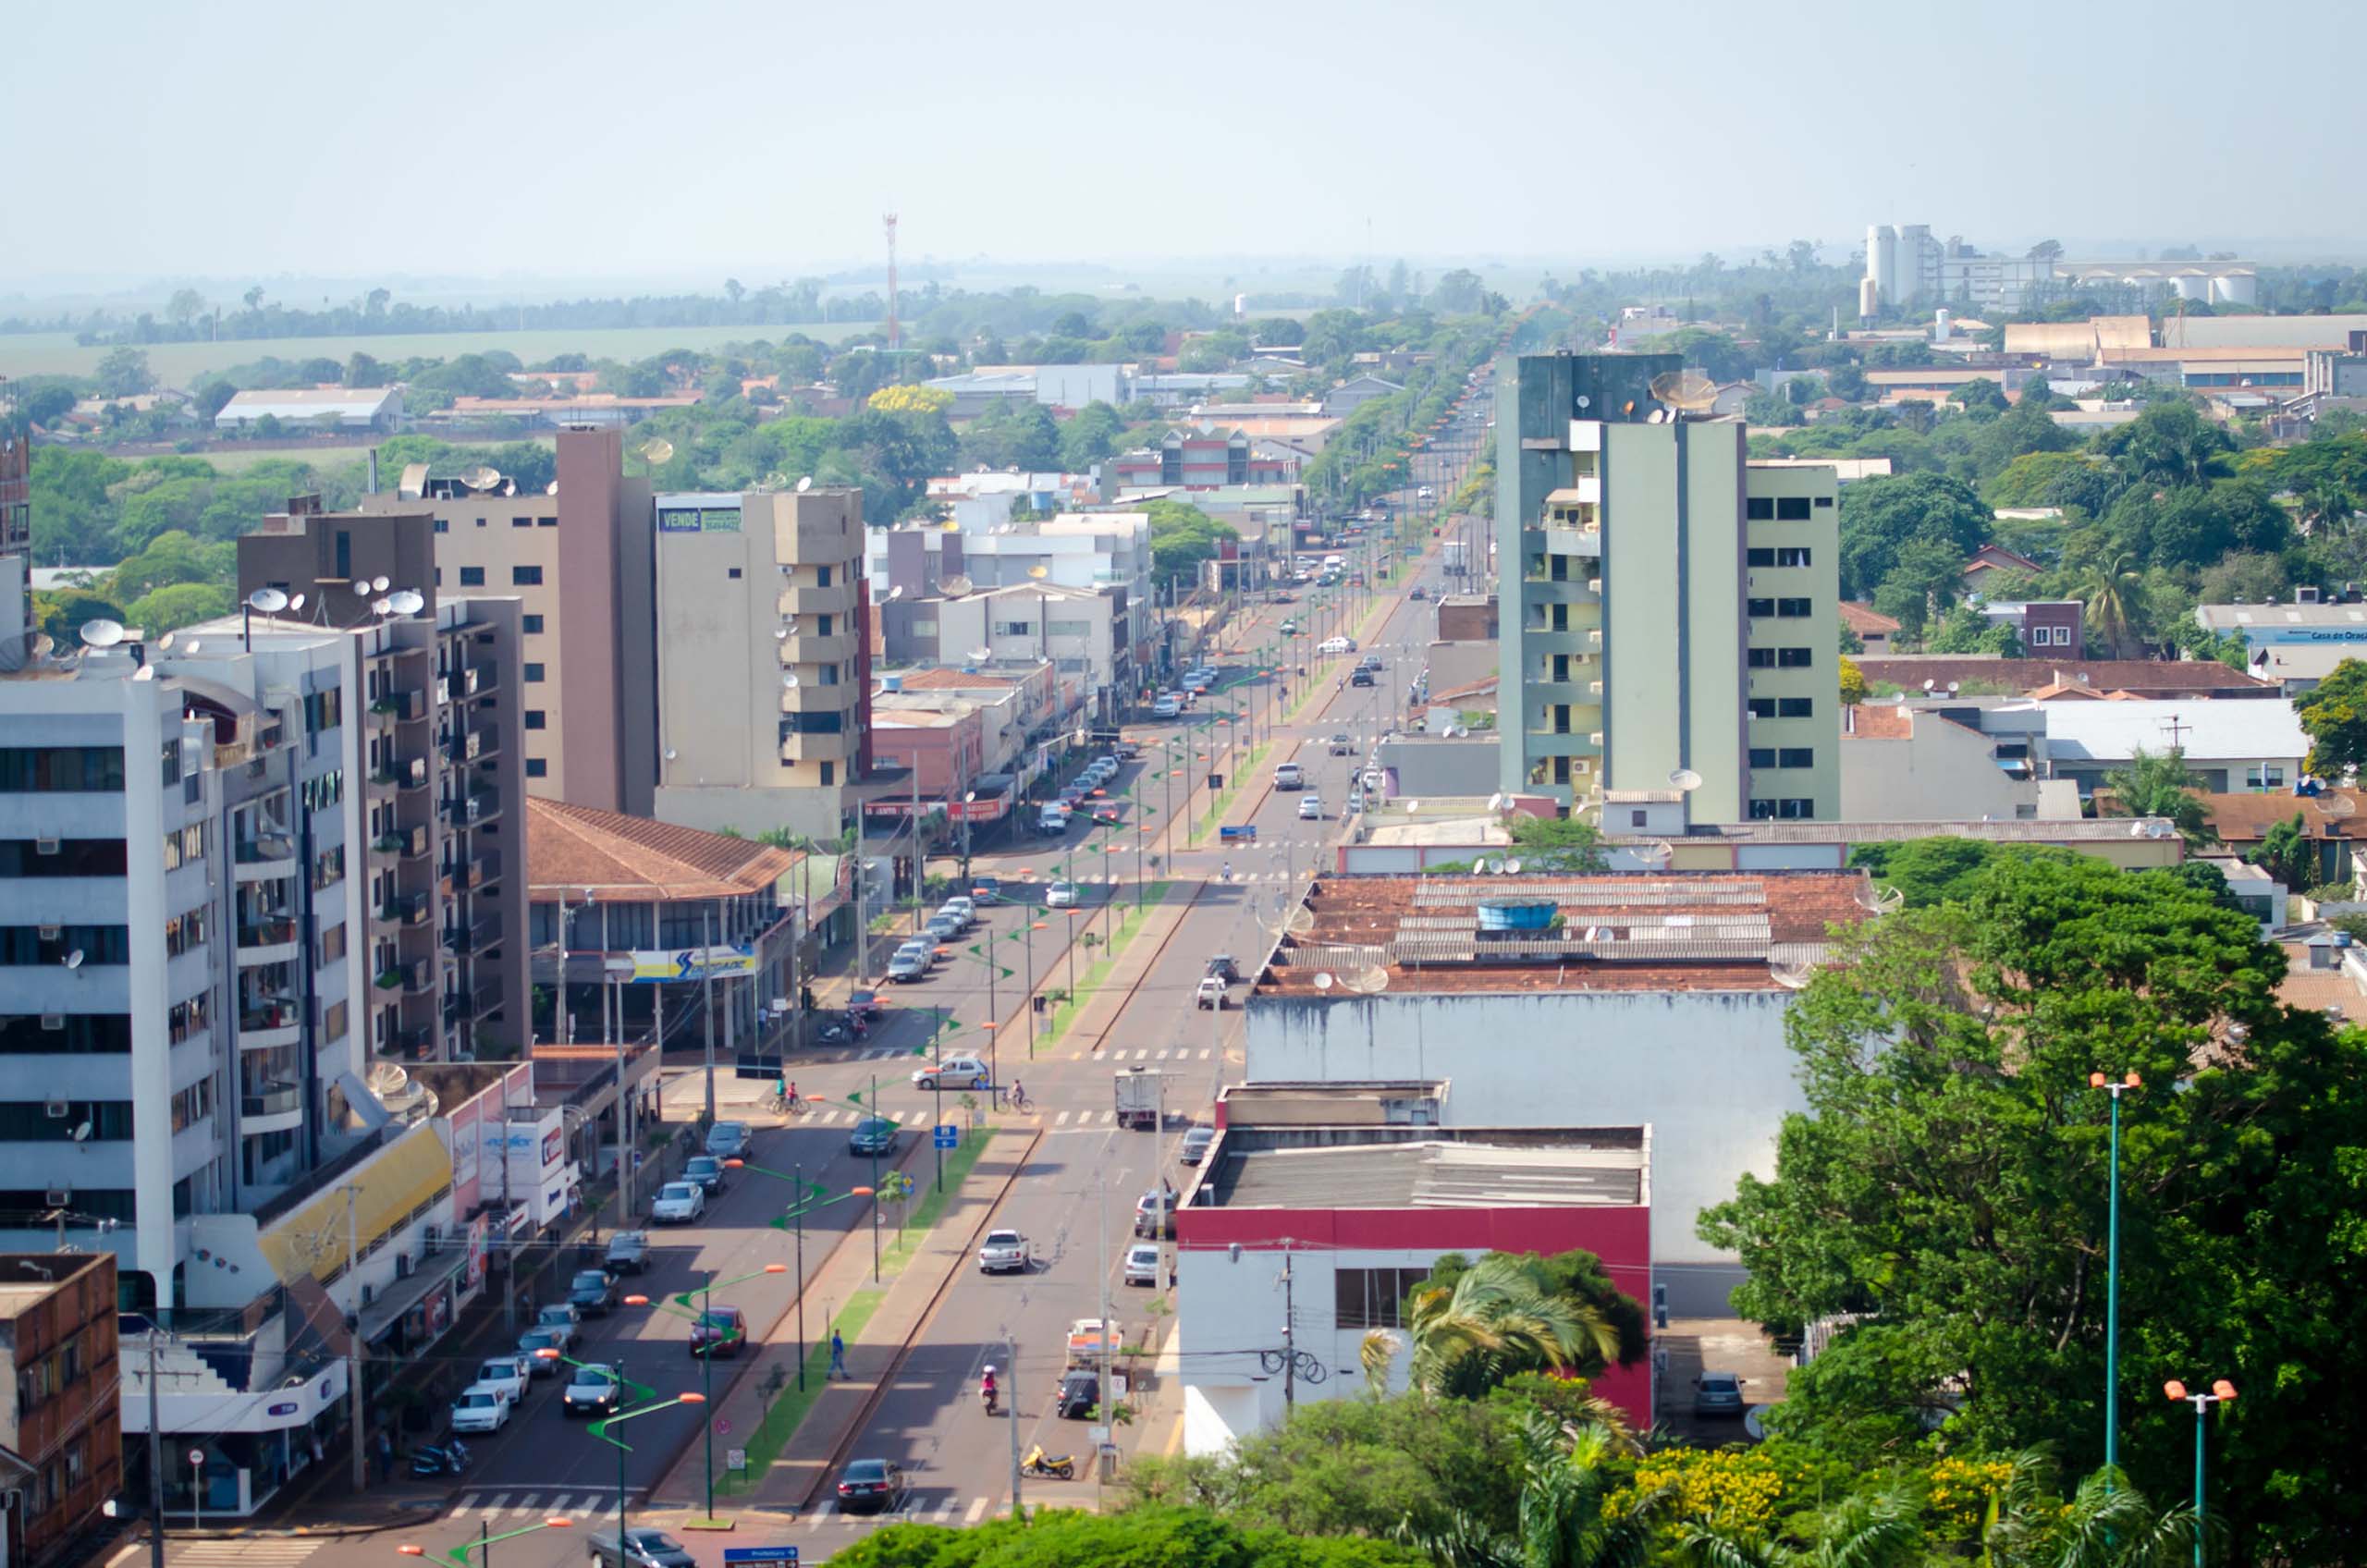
[[907, 397], [1958, 1492], [1737, 1490]]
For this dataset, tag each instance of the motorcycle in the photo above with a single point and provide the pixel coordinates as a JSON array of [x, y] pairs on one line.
[[431, 1461], [987, 1395], [1038, 1462]]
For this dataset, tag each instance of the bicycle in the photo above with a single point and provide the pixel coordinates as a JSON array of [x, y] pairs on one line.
[[1018, 1098]]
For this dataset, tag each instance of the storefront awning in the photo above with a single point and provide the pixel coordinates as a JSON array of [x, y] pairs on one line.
[[390, 1188], [434, 1272]]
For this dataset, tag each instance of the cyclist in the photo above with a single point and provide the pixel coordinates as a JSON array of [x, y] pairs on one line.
[[1018, 1095]]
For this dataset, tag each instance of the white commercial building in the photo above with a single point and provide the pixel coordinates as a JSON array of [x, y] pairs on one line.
[[1906, 266]]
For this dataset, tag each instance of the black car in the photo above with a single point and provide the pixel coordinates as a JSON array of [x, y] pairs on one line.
[[1080, 1392], [1222, 967], [872, 1135], [1361, 677], [872, 1486], [593, 1292]]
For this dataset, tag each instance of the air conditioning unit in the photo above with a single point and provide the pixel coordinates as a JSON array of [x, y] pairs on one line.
[[432, 1236], [52, 1020], [57, 1110], [402, 1266], [51, 933], [369, 1292], [44, 846], [59, 1198]]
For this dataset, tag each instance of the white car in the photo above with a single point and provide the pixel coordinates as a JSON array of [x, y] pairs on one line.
[[953, 1073], [1336, 646], [1003, 1252], [480, 1409], [507, 1374], [678, 1203], [1142, 1264], [1060, 895], [1310, 808]]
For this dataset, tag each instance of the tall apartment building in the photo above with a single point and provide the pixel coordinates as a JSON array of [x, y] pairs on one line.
[[16, 525], [61, 1438], [577, 557], [183, 935], [764, 671], [1667, 605], [442, 691]]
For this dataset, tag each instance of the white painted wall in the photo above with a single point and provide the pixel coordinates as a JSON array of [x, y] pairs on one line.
[[1942, 772], [1707, 1071]]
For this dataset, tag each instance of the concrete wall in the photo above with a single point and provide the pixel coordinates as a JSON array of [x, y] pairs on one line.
[[1708, 1071], [1942, 772]]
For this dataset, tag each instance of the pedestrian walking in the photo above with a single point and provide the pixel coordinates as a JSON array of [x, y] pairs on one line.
[[838, 1356], [386, 1457]]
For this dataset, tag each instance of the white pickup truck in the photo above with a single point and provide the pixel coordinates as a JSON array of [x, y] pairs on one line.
[[1003, 1252]]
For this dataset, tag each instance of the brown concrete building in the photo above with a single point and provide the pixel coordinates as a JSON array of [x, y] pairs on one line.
[[61, 1438], [447, 690], [577, 556], [763, 672]]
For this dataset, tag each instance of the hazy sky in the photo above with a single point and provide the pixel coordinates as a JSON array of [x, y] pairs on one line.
[[689, 140]]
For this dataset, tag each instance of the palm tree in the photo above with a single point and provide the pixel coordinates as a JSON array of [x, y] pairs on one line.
[[2160, 784], [1872, 1529], [1502, 1318], [2106, 1524], [2112, 595], [1379, 1349], [1565, 1518]]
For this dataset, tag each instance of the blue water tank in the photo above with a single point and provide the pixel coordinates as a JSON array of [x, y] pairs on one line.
[[1515, 914]]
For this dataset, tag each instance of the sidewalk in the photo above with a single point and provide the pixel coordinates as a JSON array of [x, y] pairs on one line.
[[884, 1318]]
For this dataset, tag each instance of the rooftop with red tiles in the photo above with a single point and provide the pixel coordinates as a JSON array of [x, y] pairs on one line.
[[1693, 931]]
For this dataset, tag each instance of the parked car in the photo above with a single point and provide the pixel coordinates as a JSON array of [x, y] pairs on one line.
[[640, 1549], [953, 1073], [727, 1140], [944, 928], [1155, 1215], [531, 1345], [707, 1170], [962, 909], [984, 892], [507, 1373], [1052, 819], [1080, 1392], [480, 1409], [562, 1320], [907, 966], [678, 1203], [1060, 895], [1003, 1252], [1717, 1393], [719, 1331], [1165, 708], [1195, 1144], [1310, 808], [592, 1293], [1142, 1264], [872, 1486], [592, 1390], [872, 1135], [629, 1251]]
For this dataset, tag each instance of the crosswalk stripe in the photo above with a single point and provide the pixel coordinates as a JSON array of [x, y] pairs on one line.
[[978, 1509], [1061, 1119], [828, 1508], [498, 1504]]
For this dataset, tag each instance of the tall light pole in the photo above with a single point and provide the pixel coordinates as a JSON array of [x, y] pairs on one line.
[[706, 1360], [2221, 1391], [2111, 1271]]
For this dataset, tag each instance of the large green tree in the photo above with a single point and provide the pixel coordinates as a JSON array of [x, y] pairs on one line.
[[1881, 517], [2160, 784], [2334, 713], [1061, 1537], [1947, 1186]]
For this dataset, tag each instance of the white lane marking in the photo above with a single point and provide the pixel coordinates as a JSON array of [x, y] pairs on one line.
[[1061, 1119], [977, 1510]]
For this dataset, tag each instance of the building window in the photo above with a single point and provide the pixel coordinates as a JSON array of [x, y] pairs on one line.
[[534, 719], [525, 577], [1792, 555], [1759, 508], [61, 769], [1757, 608], [473, 577], [2265, 777], [1762, 756], [829, 774], [1824, 500], [1792, 609], [537, 768], [1795, 708], [184, 931], [1794, 658], [1373, 1298], [530, 624], [442, 525], [1762, 658], [733, 574], [1787, 808], [332, 945], [829, 675], [533, 673], [521, 522], [21, 944], [822, 577], [1791, 509], [551, 521], [1762, 707], [344, 556], [332, 1022], [1761, 557], [1796, 756]]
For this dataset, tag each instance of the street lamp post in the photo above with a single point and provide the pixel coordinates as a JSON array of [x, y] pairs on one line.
[[2221, 1391], [706, 1361], [483, 1545], [2111, 1271]]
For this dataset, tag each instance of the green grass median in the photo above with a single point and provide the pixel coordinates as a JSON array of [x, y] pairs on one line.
[[1130, 921]]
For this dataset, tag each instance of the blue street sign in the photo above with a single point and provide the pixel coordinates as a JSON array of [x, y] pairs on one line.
[[949, 1136], [760, 1554]]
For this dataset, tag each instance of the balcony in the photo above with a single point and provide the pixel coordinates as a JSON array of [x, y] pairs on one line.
[[484, 933], [401, 773], [267, 856], [271, 939], [461, 749], [402, 706], [414, 1044], [807, 648], [485, 999], [486, 868], [802, 747], [461, 685], [270, 1100], [837, 599], [269, 1023], [486, 742], [404, 909], [483, 677], [417, 977]]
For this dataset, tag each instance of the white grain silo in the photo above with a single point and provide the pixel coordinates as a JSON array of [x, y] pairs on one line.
[[2235, 288]]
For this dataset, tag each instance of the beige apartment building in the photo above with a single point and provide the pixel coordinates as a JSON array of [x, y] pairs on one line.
[[444, 904], [763, 670], [577, 558]]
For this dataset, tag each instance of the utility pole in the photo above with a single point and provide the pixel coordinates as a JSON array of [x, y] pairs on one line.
[[1290, 1339], [1010, 1378], [1101, 1404], [706, 999], [156, 1458], [797, 1186], [353, 1400]]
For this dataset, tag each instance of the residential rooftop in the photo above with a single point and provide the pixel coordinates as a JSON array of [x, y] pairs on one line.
[[2144, 677], [1692, 931], [573, 850]]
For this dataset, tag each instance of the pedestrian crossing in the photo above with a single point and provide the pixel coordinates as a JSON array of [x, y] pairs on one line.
[[246, 1552], [924, 1509], [563, 1503], [1185, 1053]]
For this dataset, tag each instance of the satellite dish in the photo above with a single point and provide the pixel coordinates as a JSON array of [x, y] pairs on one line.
[[82, 1135], [381, 606], [146, 672], [101, 633], [670, 753], [981, 656], [1791, 977], [1687, 390], [804, 483], [1928, 683], [1370, 982], [268, 601], [362, 590], [1479, 866], [73, 960], [1326, 980], [193, 645], [294, 601], [1880, 901], [1685, 779], [1952, 688], [380, 584], [955, 586], [1496, 800], [780, 633], [1039, 571], [776, 481], [1300, 921], [552, 488], [1509, 868], [1654, 853], [2332, 805], [485, 477], [406, 601], [165, 640], [656, 450]]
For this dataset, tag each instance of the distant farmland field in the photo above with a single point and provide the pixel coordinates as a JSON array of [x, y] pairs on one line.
[[178, 365]]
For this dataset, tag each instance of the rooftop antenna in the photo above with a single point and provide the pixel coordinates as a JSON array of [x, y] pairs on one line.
[[1685, 780], [1684, 391], [101, 633], [804, 483], [655, 451], [485, 477], [406, 601], [895, 337]]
